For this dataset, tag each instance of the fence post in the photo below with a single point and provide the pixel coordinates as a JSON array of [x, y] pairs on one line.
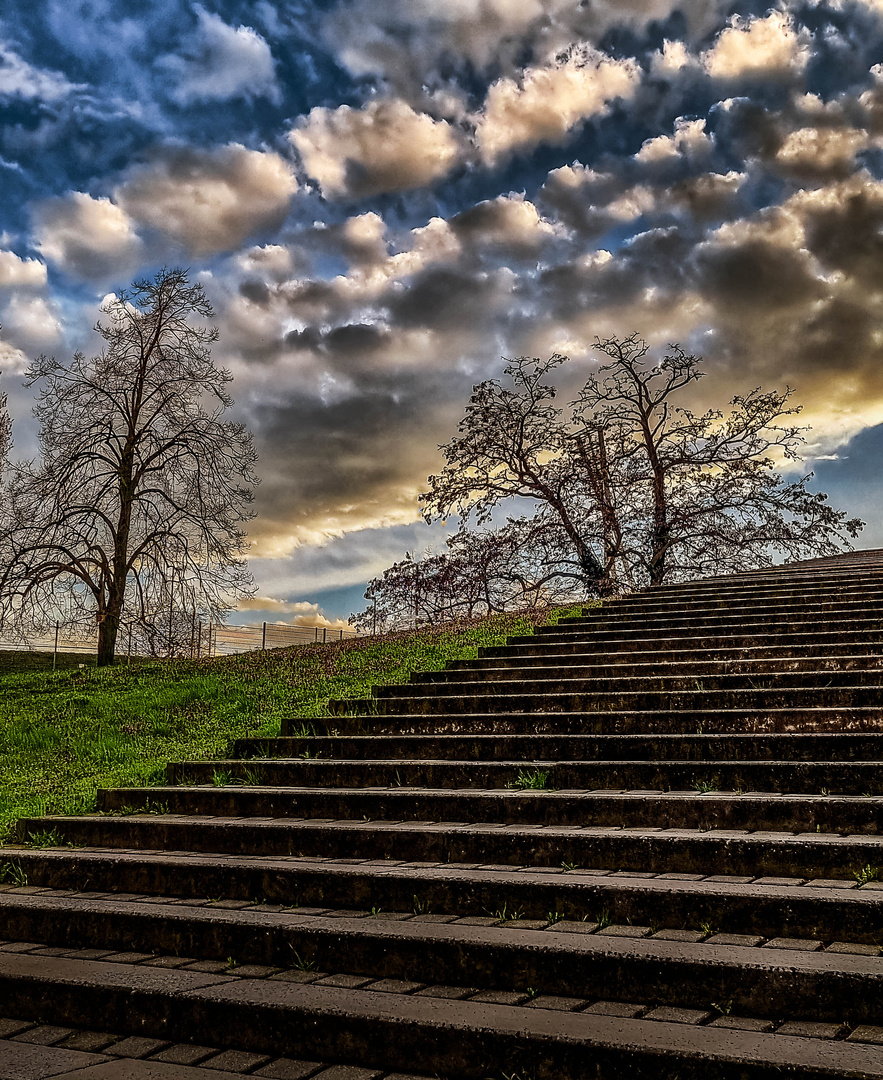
[[264, 638], [129, 649], [340, 638], [317, 633], [55, 650], [324, 632]]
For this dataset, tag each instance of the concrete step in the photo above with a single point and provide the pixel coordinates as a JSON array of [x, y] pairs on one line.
[[696, 641], [599, 619], [457, 1037], [713, 591], [726, 632], [661, 654], [468, 698], [762, 909], [357, 716], [793, 747], [608, 808], [711, 673], [766, 982], [569, 680], [809, 777], [648, 849]]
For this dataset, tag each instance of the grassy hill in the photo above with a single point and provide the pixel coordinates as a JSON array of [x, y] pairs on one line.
[[65, 733]]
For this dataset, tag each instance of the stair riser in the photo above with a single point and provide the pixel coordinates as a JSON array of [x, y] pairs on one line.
[[693, 642], [769, 599], [851, 778], [593, 968], [719, 619], [563, 702], [661, 656], [828, 915], [819, 683], [605, 723], [713, 674], [740, 631], [812, 857], [529, 748]]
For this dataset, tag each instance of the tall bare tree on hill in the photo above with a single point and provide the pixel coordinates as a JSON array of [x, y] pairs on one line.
[[137, 501], [640, 489]]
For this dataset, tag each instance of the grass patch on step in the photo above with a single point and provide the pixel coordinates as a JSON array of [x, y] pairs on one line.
[[68, 732]]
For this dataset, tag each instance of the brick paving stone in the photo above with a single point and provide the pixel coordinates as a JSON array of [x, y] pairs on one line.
[[294, 975], [395, 986], [617, 930], [44, 1034], [800, 944], [289, 1069], [680, 877], [556, 1002], [208, 967], [232, 905], [672, 1015], [730, 879], [10, 1027], [570, 926], [854, 948], [477, 920], [742, 1023], [434, 918], [170, 961], [89, 1041], [49, 950], [625, 1009], [867, 1033], [500, 997], [349, 1072], [811, 1029], [779, 880], [347, 913], [347, 982], [749, 940], [679, 935], [235, 1061], [454, 993], [184, 1054], [833, 883], [526, 924], [127, 957], [18, 946], [255, 971], [138, 1046], [90, 954]]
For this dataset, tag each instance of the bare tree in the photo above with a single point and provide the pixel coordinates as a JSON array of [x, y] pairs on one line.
[[137, 501], [713, 500], [636, 487], [483, 571], [516, 443]]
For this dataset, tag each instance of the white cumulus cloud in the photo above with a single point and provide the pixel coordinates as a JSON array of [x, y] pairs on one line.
[[758, 48], [209, 200], [15, 271], [86, 237], [225, 62], [548, 102], [384, 146]]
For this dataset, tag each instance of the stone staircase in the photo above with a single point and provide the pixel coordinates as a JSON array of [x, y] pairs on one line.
[[642, 843]]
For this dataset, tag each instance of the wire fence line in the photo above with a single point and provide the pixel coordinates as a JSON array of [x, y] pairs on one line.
[[197, 640]]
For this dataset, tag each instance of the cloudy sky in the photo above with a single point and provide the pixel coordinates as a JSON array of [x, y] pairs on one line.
[[383, 197]]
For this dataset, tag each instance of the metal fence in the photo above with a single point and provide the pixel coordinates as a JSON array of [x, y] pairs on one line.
[[201, 639]]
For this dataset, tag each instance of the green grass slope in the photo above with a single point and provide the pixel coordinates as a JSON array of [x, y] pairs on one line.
[[66, 733]]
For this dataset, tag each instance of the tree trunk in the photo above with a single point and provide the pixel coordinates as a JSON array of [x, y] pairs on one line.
[[108, 629]]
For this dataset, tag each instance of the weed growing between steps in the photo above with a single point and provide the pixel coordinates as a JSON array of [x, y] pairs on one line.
[[64, 734]]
